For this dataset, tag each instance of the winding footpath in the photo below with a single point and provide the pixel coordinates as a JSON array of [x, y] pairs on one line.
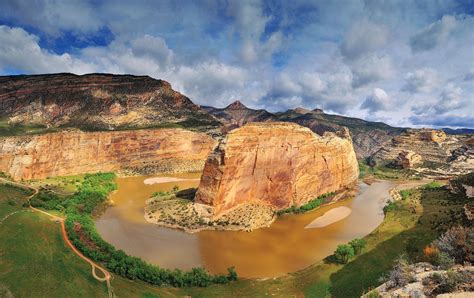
[[107, 276]]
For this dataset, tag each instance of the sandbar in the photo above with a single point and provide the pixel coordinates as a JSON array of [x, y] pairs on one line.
[[157, 180], [330, 217]]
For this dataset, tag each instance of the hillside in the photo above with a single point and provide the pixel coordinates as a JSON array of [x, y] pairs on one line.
[[93, 102]]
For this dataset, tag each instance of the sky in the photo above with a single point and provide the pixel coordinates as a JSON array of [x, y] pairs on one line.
[[406, 63]]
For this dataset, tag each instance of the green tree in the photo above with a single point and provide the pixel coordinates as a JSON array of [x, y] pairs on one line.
[[358, 245], [344, 252]]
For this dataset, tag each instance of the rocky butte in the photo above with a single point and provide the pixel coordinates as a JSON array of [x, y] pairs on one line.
[[74, 152], [276, 165]]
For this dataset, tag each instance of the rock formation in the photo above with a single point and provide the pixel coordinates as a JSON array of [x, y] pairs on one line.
[[453, 154], [275, 164], [96, 102], [408, 159], [74, 152]]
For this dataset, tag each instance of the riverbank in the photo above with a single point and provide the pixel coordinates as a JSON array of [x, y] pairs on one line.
[[176, 209], [402, 231], [405, 229], [285, 246]]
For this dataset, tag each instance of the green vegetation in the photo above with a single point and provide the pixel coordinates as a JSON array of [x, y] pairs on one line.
[[313, 204], [11, 198], [81, 230], [34, 259], [432, 185], [10, 129], [385, 171], [405, 193], [358, 245], [343, 253]]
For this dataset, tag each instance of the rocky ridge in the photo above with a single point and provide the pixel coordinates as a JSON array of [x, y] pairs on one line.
[[237, 114], [274, 164], [96, 102], [73, 152]]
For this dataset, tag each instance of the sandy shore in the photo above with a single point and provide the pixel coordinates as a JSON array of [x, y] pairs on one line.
[[330, 217], [157, 180]]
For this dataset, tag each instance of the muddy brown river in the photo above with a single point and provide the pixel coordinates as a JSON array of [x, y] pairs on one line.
[[284, 247]]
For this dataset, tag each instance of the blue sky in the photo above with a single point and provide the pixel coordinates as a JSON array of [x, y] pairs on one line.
[[407, 63]]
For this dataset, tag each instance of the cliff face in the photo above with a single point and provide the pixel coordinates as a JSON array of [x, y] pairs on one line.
[[276, 164], [95, 101], [436, 152], [69, 153]]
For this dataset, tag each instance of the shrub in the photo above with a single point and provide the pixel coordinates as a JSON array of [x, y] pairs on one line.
[[313, 204], [432, 185], [449, 282], [444, 261], [372, 294], [358, 245], [401, 274], [391, 206], [457, 243], [343, 253], [406, 193]]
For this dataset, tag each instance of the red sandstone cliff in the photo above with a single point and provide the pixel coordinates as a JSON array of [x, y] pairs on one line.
[[69, 153], [277, 164]]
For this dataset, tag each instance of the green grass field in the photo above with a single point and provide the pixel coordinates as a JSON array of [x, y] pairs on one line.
[[34, 258]]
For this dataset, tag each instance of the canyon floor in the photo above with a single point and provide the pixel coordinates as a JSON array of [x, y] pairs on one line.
[[408, 228]]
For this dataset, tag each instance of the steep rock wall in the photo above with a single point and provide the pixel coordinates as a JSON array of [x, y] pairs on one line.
[[74, 152], [276, 164]]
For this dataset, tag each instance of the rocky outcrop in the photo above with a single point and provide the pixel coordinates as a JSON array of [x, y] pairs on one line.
[[96, 102], [408, 159], [75, 152], [277, 165], [428, 281], [438, 151]]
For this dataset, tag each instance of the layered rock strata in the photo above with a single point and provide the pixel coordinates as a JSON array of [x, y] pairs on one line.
[[74, 152], [96, 102], [276, 165], [438, 151]]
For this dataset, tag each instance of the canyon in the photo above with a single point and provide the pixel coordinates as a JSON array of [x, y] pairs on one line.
[[132, 152], [275, 164]]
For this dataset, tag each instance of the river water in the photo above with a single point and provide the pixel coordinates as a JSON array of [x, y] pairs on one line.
[[284, 247]]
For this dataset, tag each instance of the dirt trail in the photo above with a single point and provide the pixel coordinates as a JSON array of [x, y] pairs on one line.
[[107, 276]]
